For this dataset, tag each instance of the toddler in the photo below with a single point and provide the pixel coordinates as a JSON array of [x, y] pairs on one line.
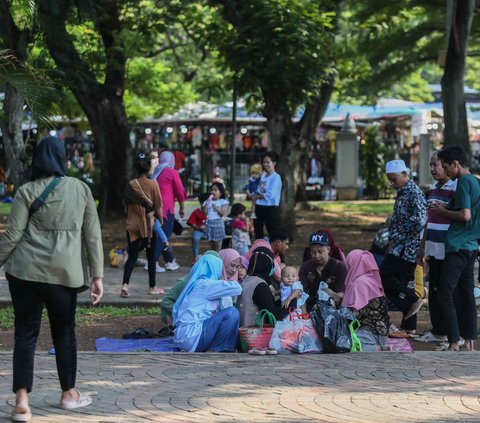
[[240, 229], [291, 288], [252, 187], [215, 208], [197, 222]]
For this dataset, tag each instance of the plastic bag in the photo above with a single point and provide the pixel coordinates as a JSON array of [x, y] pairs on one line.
[[117, 257], [295, 336], [332, 326]]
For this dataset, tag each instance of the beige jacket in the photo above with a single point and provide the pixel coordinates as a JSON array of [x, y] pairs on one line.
[[48, 248]]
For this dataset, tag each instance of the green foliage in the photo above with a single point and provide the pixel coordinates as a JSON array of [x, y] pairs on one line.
[[280, 47], [153, 89], [372, 163]]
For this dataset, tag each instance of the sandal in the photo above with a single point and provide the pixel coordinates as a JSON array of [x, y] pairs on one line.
[[20, 414], [257, 351], [124, 293], [156, 291], [81, 401]]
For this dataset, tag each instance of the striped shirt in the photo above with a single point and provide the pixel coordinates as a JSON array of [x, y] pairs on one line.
[[437, 226]]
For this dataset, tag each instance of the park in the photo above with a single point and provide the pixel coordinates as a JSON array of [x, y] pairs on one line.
[[298, 129]]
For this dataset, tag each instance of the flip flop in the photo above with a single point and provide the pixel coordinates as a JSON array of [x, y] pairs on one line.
[[81, 401], [24, 416], [156, 291], [124, 293], [257, 351]]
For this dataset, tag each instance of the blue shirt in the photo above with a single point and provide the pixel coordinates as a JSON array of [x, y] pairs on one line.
[[271, 188]]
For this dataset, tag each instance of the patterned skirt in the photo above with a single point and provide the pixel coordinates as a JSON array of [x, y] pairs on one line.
[[215, 230]]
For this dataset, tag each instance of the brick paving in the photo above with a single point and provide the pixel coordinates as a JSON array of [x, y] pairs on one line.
[[181, 387]]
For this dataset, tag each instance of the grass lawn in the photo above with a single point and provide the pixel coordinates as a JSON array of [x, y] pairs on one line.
[[369, 208]]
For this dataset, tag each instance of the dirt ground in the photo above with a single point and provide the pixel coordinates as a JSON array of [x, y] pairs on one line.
[[350, 232]]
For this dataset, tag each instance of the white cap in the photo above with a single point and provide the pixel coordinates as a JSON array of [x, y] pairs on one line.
[[396, 166]]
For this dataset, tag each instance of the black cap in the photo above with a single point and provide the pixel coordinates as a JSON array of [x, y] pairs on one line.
[[319, 238]]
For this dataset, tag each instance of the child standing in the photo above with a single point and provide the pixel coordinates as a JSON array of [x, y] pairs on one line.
[[291, 288], [252, 187], [240, 229], [197, 222], [215, 208]]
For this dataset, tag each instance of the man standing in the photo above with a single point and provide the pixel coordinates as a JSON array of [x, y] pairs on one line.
[[405, 233], [433, 247], [322, 268], [460, 250]]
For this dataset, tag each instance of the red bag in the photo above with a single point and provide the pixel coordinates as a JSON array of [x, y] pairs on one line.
[[258, 335]]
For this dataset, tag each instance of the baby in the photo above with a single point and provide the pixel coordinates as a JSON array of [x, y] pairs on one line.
[[291, 288]]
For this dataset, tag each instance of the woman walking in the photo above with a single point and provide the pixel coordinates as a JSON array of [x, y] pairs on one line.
[[42, 253], [142, 204]]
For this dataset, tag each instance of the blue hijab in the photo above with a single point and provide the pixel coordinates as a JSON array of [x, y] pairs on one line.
[[49, 158], [207, 267]]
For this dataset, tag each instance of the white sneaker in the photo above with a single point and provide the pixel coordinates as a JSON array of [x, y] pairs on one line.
[[173, 265], [158, 268]]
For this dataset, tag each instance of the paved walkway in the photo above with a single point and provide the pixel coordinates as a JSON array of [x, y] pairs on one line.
[[363, 388]]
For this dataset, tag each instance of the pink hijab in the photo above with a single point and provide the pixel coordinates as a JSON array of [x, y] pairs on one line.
[[228, 255], [167, 159], [362, 282]]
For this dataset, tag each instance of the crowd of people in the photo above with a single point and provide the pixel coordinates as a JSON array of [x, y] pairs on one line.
[[54, 220]]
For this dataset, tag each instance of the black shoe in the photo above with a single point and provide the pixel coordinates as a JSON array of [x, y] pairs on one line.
[[139, 333]]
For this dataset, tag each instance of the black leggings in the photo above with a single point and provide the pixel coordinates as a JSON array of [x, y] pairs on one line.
[[28, 299], [398, 282], [134, 248], [268, 215]]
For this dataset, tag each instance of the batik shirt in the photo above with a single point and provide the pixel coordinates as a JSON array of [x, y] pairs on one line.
[[408, 221]]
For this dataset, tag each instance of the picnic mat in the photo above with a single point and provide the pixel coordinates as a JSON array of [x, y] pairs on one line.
[[399, 344], [136, 345]]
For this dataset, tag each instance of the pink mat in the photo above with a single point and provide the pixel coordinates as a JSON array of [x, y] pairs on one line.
[[399, 344]]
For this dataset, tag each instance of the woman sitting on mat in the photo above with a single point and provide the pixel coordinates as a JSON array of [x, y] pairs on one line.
[[200, 324], [256, 293], [364, 294]]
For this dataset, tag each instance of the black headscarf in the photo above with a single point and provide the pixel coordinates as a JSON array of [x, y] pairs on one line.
[[261, 264], [49, 158]]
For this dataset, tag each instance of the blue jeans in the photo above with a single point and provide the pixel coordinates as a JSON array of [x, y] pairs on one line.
[[168, 230], [196, 237], [220, 331]]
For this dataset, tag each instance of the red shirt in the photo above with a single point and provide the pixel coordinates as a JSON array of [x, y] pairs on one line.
[[197, 218]]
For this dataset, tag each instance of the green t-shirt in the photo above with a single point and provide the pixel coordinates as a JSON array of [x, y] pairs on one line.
[[465, 235]]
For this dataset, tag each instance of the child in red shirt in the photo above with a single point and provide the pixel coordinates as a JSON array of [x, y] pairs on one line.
[[197, 222]]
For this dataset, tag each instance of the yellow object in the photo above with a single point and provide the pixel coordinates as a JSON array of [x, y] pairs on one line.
[[117, 257], [418, 279]]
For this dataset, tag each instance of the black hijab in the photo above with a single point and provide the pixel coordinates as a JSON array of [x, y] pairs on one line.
[[49, 158], [261, 264]]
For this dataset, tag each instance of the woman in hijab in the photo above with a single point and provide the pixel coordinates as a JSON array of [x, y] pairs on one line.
[[256, 293], [200, 324], [231, 263], [364, 294], [42, 253], [171, 189], [336, 251]]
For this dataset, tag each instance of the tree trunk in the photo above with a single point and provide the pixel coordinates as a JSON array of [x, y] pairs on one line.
[[13, 142], [455, 115]]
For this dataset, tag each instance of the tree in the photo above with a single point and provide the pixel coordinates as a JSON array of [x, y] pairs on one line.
[[459, 22], [23, 86]]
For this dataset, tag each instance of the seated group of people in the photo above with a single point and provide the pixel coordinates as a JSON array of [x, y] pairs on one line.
[[224, 291]]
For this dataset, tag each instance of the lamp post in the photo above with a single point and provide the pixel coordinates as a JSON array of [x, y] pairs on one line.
[[233, 151]]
